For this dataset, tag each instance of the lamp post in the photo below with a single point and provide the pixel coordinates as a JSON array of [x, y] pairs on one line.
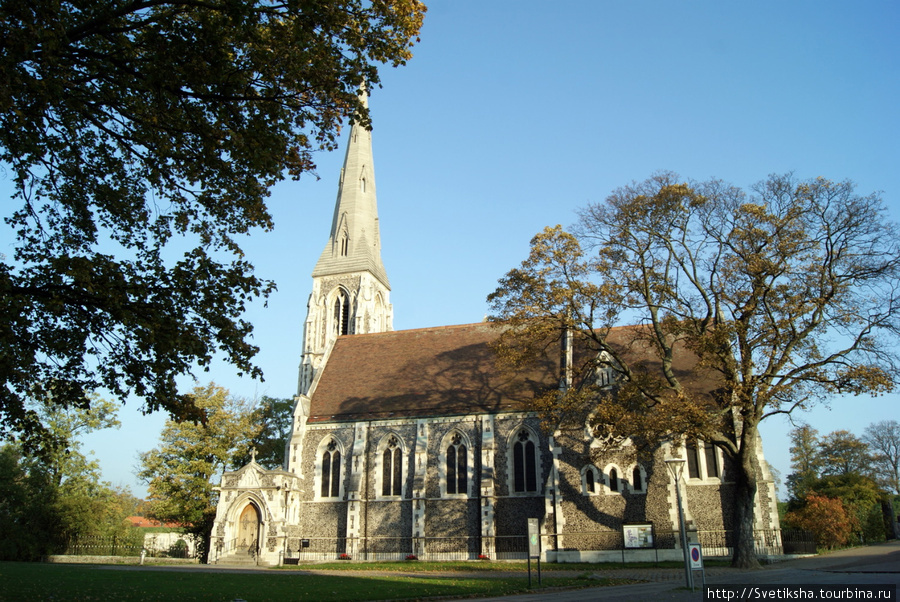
[[676, 467]]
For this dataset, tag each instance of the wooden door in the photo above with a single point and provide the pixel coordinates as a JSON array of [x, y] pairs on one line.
[[248, 530]]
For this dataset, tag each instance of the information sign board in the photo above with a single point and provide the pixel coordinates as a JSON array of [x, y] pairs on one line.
[[638, 536], [534, 538]]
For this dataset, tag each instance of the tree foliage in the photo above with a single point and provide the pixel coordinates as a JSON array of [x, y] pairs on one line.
[[806, 462], [784, 296], [843, 453], [827, 517], [180, 472], [861, 497], [838, 466], [52, 498], [27, 517], [61, 455], [142, 139], [883, 439], [274, 418]]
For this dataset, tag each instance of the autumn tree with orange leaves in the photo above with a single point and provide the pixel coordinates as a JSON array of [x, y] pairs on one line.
[[786, 295], [828, 518]]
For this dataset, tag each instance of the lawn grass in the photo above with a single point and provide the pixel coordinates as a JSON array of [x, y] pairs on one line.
[[34, 581]]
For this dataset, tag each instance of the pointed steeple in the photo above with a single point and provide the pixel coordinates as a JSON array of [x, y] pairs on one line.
[[355, 241], [351, 292]]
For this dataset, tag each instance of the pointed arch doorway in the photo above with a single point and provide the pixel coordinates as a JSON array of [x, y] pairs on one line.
[[248, 530]]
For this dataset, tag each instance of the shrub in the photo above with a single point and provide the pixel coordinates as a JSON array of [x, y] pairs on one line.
[[179, 549], [827, 517]]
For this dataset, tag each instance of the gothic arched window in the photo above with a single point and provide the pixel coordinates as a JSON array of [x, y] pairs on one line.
[[524, 463], [590, 480], [712, 461], [638, 479], [613, 479], [331, 471], [457, 465], [392, 469], [342, 313], [702, 457], [378, 319], [693, 460]]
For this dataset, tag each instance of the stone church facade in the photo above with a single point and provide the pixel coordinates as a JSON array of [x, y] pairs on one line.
[[414, 443]]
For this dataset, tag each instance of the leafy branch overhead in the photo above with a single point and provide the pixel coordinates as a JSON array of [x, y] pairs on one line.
[[142, 139], [743, 305]]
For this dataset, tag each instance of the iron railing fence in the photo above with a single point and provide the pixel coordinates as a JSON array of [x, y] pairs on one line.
[[798, 541], [126, 545], [515, 547], [178, 549], [104, 546], [401, 548]]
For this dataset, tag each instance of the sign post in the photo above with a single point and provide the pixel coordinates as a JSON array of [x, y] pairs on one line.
[[696, 558], [534, 547], [676, 467]]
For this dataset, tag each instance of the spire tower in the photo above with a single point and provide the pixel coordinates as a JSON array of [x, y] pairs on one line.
[[354, 244], [351, 291]]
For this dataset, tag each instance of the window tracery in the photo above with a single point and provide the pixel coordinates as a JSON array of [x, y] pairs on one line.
[[702, 460], [457, 466], [390, 471], [341, 314], [524, 463], [330, 469]]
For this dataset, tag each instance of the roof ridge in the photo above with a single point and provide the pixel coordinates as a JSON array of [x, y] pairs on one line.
[[484, 323], [420, 329]]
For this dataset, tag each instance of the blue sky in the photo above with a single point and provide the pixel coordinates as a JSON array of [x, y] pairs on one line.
[[512, 115]]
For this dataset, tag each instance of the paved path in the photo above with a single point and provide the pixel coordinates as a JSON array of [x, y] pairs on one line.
[[878, 564]]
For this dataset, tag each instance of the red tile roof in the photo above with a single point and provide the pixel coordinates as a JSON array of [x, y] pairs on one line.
[[448, 370], [441, 371], [142, 521]]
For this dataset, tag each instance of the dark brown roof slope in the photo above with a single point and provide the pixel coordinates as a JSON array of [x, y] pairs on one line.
[[443, 371], [450, 371]]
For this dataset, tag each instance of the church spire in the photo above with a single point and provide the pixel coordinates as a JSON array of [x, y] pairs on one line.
[[355, 241], [351, 291]]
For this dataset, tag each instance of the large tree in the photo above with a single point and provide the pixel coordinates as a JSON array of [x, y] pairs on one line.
[[784, 296], [274, 418], [141, 139], [180, 472], [884, 442], [61, 456], [52, 498], [806, 461], [862, 496], [842, 453]]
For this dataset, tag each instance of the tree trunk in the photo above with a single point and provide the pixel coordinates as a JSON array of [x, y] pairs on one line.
[[746, 475]]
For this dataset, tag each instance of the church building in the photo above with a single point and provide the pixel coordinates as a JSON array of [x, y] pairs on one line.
[[414, 444]]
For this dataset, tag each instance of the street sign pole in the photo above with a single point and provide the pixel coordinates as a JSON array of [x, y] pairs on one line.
[[534, 547]]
